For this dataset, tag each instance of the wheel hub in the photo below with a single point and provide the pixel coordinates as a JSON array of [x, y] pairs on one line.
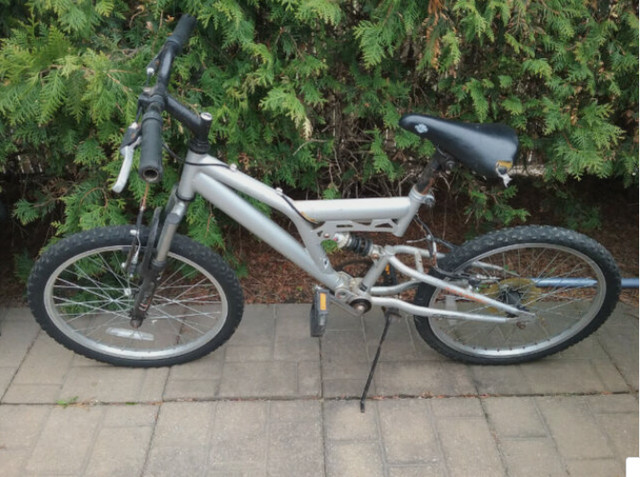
[[518, 292]]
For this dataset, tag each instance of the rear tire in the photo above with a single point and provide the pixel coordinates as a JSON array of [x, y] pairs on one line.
[[542, 269], [82, 298]]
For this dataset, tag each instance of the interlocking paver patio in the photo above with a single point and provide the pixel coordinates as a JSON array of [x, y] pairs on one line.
[[275, 402]]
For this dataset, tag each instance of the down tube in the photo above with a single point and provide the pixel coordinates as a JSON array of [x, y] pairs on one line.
[[246, 215]]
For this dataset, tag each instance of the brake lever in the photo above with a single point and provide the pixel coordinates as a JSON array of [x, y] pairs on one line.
[[131, 140]]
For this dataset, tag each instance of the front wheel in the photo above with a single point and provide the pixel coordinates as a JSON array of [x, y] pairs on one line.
[[82, 297], [568, 280]]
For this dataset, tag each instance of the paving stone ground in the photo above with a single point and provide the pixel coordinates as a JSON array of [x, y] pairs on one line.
[[275, 402]]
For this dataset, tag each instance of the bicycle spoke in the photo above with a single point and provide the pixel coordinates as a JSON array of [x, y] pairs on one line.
[[183, 305], [113, 273], [192, 287], [92, 308], [93, 290], [163, 283], [178, 319]]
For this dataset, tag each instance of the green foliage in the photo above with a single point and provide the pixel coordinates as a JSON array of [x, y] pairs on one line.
[[576, 214], [490, 206], [306, 94], [22, 263]]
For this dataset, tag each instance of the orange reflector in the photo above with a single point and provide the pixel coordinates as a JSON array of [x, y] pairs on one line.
[[323, 302]]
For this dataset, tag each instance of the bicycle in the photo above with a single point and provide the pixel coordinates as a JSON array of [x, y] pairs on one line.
[[139, 295]]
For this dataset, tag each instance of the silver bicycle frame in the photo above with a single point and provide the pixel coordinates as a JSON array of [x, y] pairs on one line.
[[317, 221]]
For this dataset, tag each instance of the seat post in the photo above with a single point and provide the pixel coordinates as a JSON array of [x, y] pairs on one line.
[[426, 179]]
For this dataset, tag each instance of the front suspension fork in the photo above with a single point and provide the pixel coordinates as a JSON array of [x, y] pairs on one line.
[[155, 256]]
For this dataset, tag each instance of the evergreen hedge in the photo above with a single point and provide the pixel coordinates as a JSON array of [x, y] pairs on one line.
[[306, 94]]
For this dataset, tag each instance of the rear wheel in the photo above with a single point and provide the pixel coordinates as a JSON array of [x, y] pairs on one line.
[[568, 280], [82, 297]]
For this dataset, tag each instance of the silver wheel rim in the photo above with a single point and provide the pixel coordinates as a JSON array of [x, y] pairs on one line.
[[88, 298], [562, 310]]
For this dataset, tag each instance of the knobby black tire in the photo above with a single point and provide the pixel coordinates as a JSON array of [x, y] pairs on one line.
[[566, 314], [80, 296]]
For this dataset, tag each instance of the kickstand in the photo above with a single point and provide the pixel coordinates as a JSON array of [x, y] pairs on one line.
[[388, 314]]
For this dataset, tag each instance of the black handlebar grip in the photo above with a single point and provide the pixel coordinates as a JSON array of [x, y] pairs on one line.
[[150, 169], [182, 32]]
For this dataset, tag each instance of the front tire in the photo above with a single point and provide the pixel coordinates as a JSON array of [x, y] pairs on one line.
[[568, 280], [81, 297]]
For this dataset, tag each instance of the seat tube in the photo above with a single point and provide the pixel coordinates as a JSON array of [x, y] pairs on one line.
[[421, 192], [417, 200]]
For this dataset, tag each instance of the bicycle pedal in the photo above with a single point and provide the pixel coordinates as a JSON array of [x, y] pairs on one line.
[[319, 312]]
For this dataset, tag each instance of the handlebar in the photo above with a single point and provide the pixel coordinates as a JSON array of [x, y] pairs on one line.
[[155, 99], [182, 32], [150, 168]]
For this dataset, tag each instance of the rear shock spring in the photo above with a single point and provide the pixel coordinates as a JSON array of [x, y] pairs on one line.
[[360, 245]]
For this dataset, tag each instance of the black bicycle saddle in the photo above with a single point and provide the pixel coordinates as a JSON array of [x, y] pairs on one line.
[[487, 149]]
